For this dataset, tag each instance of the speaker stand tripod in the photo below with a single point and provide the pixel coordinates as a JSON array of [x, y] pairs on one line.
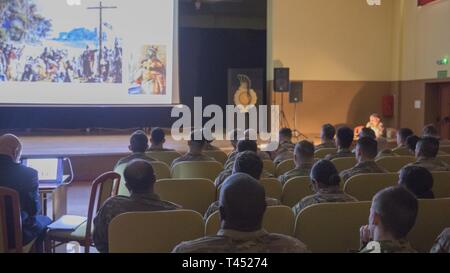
[[295, 132]]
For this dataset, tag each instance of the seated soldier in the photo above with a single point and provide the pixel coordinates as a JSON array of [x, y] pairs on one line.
[[210, 147], [418, 180], [242, 204], [367, 132], [327, 136], [325, 182], [196, 146], [246, 162], [382, 143], [402, 136], [140, 180], [243, 146], [411, 143], [234, 139], [285, 150], [138, 146], [432, 131], [392, 216], [304, 161], [157, 140], [365, 152], [442, 244], [251, 134], [344, 140], [427, 149]]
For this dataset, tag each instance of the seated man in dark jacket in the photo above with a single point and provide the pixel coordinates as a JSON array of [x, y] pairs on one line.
[[24, 180]]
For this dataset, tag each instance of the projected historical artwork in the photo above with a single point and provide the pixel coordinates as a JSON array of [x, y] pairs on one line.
[[148, 71], [49, 41]]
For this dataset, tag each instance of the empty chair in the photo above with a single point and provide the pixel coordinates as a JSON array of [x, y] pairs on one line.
[[445, 158], [161, 170], [272, 187], [332, 227], [441, 185], [104, 187], [322, 153], [277, 219], [194, 194], [432, 219], [197, 169], [153, 232], [269, 166], [295, 190], [167, 156], [394, 164], [344, 163], [284, 167], [220, 156], [364, 186]]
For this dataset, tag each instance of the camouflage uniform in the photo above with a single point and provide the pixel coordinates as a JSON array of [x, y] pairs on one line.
[[431, 164], [304, 170], [210, 147], [402, 151], [120, 205], [134, 156], [160, 150], [215, 206], [341, 153], [401, 246], [229, 171], [362, 168], [231, 241], [386, 153], [232, 157], [442, 244], [329, 144], [284, 152], [328, 195], [192, 157]]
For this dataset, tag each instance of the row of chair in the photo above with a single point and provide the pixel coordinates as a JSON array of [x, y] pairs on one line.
[[324, 228]]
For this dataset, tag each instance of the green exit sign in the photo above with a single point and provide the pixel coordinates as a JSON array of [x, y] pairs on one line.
[[443, 74], [443, 61]]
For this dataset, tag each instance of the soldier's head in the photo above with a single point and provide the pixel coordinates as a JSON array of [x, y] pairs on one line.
[[139, 176], [427, 147], [234, 137], [328, 132], [157, 137], [11, 146], [250, 163], [197, 142], [303, 152], [367, 132], [285, 134], [411, 143], [138, 142], [402, 135], [344, 137], [324, 175], [247, 145], [430, 131], [366, 149], [418, 180], [242, 203], [393, 213]]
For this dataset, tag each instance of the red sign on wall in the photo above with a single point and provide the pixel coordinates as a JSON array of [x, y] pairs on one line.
[[424, 2]]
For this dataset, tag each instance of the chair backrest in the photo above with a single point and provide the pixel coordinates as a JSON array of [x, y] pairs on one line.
[[322, 153], [402, 151], [154, 232], [441, 187], [219, 155], [433, 218], [364, 186], [344, 163], [445, 158], [277, 219], [269, 167], [272, 187], [10, 197], [295, 190], [195, 194], [284, 167], [167, 157], [161, 170], [103, 188], [445, 149], [332, 227], [197, 169], [394, 164]]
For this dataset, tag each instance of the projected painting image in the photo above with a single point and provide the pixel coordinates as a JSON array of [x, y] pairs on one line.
[[148, 71], [50, 41]]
